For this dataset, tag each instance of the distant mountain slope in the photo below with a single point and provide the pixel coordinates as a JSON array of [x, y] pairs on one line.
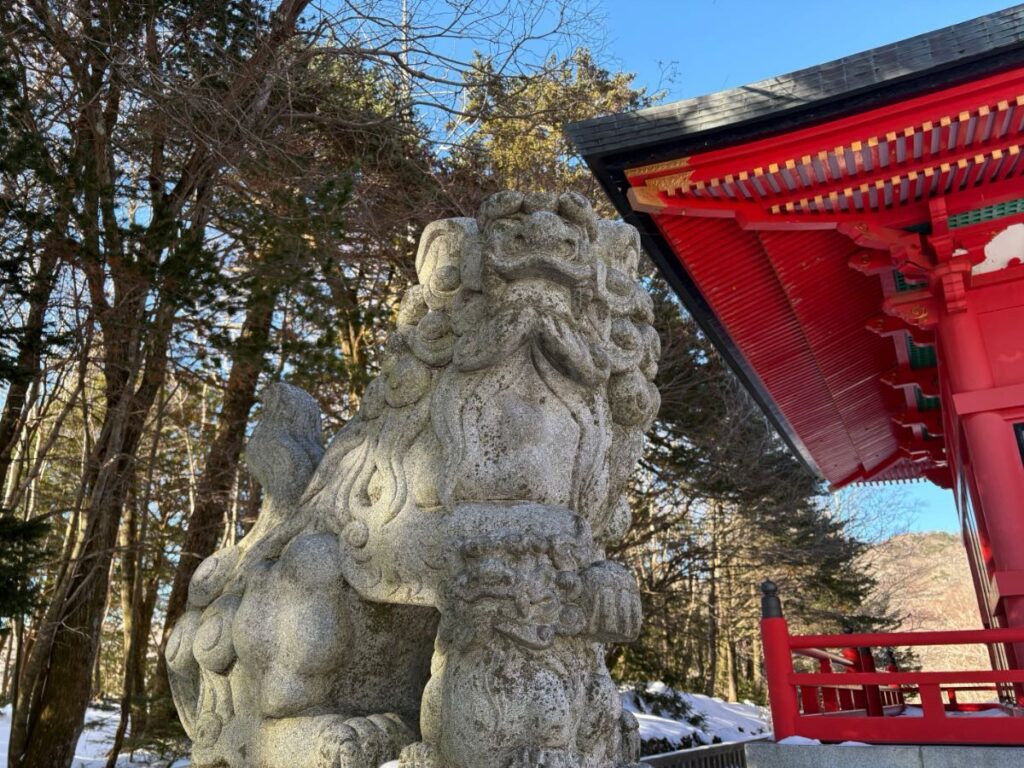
[[925, 579]]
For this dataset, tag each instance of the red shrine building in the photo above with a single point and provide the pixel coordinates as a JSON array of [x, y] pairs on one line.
[[851, 238]]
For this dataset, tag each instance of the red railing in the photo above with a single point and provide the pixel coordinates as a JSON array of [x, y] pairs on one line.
[[862, 704]]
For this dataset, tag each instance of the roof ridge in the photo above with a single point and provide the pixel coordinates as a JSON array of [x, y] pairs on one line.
[[957, 44]]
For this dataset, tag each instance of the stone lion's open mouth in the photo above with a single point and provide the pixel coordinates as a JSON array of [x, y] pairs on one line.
[[541, 264]]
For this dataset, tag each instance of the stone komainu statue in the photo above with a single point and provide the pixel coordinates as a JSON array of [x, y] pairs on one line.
[[433, 585]]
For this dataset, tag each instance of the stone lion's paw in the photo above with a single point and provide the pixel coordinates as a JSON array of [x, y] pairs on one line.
[[611, 602], [362, 742], [396, 731], [630, 733], [418, 755], [375, 740], [338, 747], [545, 758]]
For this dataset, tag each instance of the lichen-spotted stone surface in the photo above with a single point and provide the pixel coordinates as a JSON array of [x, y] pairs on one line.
[[432, 586]]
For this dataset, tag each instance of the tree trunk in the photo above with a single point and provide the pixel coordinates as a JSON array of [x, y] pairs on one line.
[[756, 664], [134, 600], [731, 668], [215, 488], [54, 698], [144, 620], [5, 651], [30, 347], [129, 627], [711, 668], [55, 721], [711, 671]]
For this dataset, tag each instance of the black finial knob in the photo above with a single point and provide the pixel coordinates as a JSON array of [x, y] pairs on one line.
[[771, 606]]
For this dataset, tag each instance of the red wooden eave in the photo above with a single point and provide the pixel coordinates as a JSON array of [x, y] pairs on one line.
[[808, 245]]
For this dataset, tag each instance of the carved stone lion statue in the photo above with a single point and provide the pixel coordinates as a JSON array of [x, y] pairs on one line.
[[433, 587]]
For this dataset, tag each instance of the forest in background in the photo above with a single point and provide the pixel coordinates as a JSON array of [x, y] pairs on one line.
[[200, 197]]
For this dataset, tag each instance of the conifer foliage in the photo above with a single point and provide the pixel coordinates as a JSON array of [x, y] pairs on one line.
[[21, 555]]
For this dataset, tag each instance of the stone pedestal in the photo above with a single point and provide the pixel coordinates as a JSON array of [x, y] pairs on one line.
[[770, 755]]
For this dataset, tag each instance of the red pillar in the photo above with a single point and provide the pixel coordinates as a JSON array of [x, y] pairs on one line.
[[970, 360], [778, 663]]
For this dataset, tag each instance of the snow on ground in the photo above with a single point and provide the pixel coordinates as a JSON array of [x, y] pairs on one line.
[[914, 711], [679, 719], [803, 741], [691, 719], [97, 736]]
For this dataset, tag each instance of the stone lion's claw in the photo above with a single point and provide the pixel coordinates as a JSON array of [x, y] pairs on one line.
[[338, 747], [544, 758], [418, 755]]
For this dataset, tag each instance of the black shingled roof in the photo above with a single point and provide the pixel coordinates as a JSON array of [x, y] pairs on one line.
[[884, 75], [870, 78]]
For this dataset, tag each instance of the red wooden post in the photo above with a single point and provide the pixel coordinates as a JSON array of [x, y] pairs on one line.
[[931, 702], [855, 699], [809, 700], [846, 701], [872, 696], [778, 663]]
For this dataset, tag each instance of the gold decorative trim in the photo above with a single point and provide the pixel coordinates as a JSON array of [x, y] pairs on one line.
[[668, 165], [645, 200], [670, 183]]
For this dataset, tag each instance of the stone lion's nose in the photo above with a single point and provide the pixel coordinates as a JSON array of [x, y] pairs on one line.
[[544, 227]]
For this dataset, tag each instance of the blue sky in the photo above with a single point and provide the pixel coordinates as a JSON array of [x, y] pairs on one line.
[[716, 44], [694, 47]]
